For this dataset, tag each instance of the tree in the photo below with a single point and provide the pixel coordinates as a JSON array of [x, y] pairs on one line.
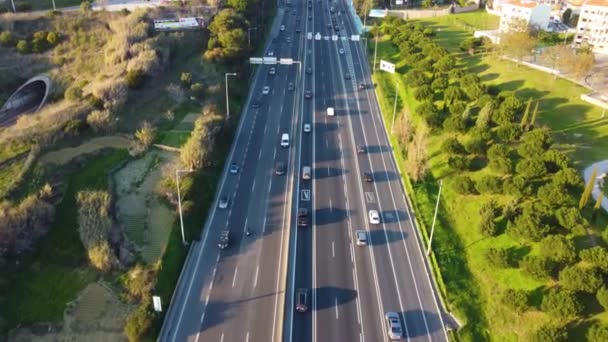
[[453, 94], [85, 7], [476, 145], [227, 31], [416, 78], [485, 115], [597, 333], [186, 79], [417, 154], [524, 118], [566, 16], [145, 134], [52, 38], [531, 168], [239, 5], [568, 178], [508, 132], [561, 304], [134, 78], [581, 279], [550, 333], [532, 121], [197, 90], [558, 248], [569, 217], [6, 39], [488, 184], [582, 64], [451, 145], [101, 257], [429, 112], [555, 160], [73, 93], [439, 83], [423, 93], [459, 162], [99, 120], [463, 185], [94, 226], [596, 256], [516, 300], [138, 323], [498, 257], [23, 47], [517, 41], [602, 297], [538, 267], [588, 189]]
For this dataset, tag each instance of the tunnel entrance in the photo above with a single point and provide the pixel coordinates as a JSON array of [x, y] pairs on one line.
[[28, 98]]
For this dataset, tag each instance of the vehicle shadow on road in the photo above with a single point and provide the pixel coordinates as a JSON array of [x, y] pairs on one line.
[[378, 148], [325, 172], [393, 216], [328, 296], [382, 237], [325, 216], [414, 320], [384, 176], [216, 313]]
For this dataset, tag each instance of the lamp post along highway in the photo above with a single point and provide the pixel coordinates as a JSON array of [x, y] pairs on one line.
[[227, 102], [428, 251], [375, 47], [179, 204], [249, 35], [395, 107]]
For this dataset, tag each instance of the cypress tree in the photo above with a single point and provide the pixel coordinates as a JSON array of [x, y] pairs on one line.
[[533, 121], [524, 119], [588, 188]]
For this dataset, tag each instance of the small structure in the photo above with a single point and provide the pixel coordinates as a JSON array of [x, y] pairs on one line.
[[530, 12], [30, 97], [592, 26]]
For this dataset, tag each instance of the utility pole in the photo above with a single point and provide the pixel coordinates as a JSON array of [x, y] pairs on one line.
[[228, 103], [54, 7], [428, 251], [179, 204], [376, 47]]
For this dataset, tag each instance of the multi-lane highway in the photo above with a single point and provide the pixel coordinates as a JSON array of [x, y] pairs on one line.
[[246, 291]]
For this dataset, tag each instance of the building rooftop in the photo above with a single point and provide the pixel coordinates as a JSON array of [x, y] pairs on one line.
[[523, 3], [602, 3]]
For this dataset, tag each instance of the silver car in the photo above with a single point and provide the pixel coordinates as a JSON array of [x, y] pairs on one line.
[[361, 236], [266, 90], [374, 217], [393, 324]]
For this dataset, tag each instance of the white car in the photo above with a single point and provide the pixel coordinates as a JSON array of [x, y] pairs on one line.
[[341, 51], [374, 217], [307, 128], [361, 236], [282, 27], [270, 53], [223, 203], [266, 90]]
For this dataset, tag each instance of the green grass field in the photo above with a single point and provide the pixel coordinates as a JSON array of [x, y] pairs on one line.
[[58, 269], [470, 285]]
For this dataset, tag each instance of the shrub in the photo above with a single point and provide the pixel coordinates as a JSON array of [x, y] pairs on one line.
[[459, 163], [186, 79], [576, 278], [101, 256], [138, 283], [73, 93], [569, 217], [516, 300], [145, 134], [558, 248], [197, 90], [550, 333], [488, 184], [498, 257], [134, 78], [531, 168], [487, 227], [463, 185], [516, 186], [454, 123], [508, 132], [138, 323], [554, 196], [423, 93], [561, 304], [538, 267], [602, 297], [85, 7], [451, 145], [23, 47], [6, 39], [99, 120], [597, 333]]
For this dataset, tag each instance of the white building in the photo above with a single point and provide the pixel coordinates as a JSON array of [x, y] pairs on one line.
[[592, 25], [530, 12]]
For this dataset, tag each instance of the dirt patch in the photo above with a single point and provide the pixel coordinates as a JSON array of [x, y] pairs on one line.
[[64, 155], [96, 316], [144, 219]]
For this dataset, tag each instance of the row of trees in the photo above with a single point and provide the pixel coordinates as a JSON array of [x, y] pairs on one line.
[[40, 41], [494, 146]]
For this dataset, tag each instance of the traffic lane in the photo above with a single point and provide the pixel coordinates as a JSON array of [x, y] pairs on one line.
[[427, 320]]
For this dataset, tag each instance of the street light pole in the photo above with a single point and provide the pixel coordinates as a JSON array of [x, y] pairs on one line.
[[54, 7], [179, 204], [428, 251], [249, 35], [395, 106], [375, 48], [227, 103]]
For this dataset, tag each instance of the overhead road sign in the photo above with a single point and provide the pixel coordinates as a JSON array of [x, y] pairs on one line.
[[326, 37], [318, 36], [176, 24], [309, 35], [157, 305], [334, 37], [399, 2], [378, 13], [270, 60], [386, 66], [355, 38], [287, 61], [256, 60]]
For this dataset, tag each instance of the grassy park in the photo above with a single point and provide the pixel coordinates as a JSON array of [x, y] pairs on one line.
[[471, 285]]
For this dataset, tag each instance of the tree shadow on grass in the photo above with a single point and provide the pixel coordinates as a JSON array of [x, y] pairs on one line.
[[511, 85]]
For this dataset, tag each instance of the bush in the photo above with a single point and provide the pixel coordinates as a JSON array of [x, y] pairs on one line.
[[487, 227], [459, 163], [597, 333], [508, 132], [186, 79], [101, 257], [558, 248], [516, 300], [489, 184], [23, 47], [99, 120], [596, 256], [463, 185], [134, 78], [531, 168], [454, 123], [6, 39], [550, 333], [498, 257], [423, 93], [569, 217], [451, 145], [538, 267], [554, 196], [516, 186], [197, 90], [561, 304], [138, 323], [73, 93], [602, 297]]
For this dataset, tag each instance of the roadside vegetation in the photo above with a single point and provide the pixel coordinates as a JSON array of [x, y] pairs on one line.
[[115, 80], [519, 242]]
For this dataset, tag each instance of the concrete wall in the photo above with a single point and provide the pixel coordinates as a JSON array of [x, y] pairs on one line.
[[419, 14]]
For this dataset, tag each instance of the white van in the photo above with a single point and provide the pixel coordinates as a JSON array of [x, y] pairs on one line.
[[306, 172], [330, 111], [285, 140]]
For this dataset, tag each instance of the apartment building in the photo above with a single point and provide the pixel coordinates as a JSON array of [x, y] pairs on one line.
[[592, 25], [531, 12]]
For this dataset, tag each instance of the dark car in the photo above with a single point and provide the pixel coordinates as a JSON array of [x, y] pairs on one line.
[[255, 104], [309, 17], [301, 300], [308, 94], [309, 70], [347, 76], [368, 177], [361, 149], [302, 217], [234, 169], [290, 86], [279, 168], [224, 240]]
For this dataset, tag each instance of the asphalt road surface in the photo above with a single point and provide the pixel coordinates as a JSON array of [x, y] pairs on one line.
[[354, 286], [235, 294]]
